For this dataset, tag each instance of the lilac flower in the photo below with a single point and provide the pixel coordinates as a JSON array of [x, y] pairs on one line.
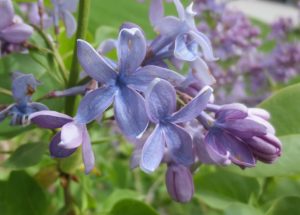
[[280, 28], [283, 62], [23, 86], [120, 83], [66, 141], [241, 135], [12, 29], [63, 9], [183, 31], [179, 182], [160, 107], [36, 14]]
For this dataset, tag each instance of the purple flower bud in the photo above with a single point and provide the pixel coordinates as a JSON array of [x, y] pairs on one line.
[[243, 134], [179, 182]]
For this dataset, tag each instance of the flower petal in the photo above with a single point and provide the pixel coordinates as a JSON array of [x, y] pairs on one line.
[[156, 12], [7, 13], [153, 150], [184, 51], [200, 72], [141, 79], [58, 151], [130, 113], [36, 106], [179, 143], [94, 104], [232, 112], [160, 100], [94, 64], [180, 9], [70, 5], [206, 154], [70, 23], [169, 26], [131, 50], [224, 143], [16, 33], [71, 135], [194, 108], [49, 119], [205, 45], [245, 128], [87, 151]]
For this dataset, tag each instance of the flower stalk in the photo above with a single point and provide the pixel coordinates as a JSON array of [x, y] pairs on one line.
[[82, 23]]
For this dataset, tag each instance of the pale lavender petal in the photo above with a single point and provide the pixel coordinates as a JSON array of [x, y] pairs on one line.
[[260, 113], [267, 124], [180, 9], [23, 86], [36, 106], [70, 23], [182, 51], [169, 26], [232, 112], [94, 104], [224, 143], [94, 64], [153, 150], [16, 33], [131, 50], [71, 135], [49, 119], [160, 100], [156, 11], [141, 79], [245, 128], [194, 108], [179, 143], [130, 112], [87, 151], [205, 45], [201, 73], [7, 13], [70, 5], [107, 46], [58, 151]]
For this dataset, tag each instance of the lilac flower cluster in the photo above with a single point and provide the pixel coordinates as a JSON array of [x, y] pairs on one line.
[[185, 127], [13, 32]]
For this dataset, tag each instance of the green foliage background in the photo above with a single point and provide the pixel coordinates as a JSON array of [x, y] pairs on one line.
[[33, 183]]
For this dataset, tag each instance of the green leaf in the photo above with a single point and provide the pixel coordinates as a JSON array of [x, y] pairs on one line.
[[284, 107], [219, 189], [22, 195], [117, 196], [287, 205], [7, 131], [27, 155], [287, 164], [132, 207], [241, 209]]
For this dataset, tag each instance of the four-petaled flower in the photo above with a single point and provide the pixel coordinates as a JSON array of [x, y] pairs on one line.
[[161, 107], [120, 83], [23, 86]]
